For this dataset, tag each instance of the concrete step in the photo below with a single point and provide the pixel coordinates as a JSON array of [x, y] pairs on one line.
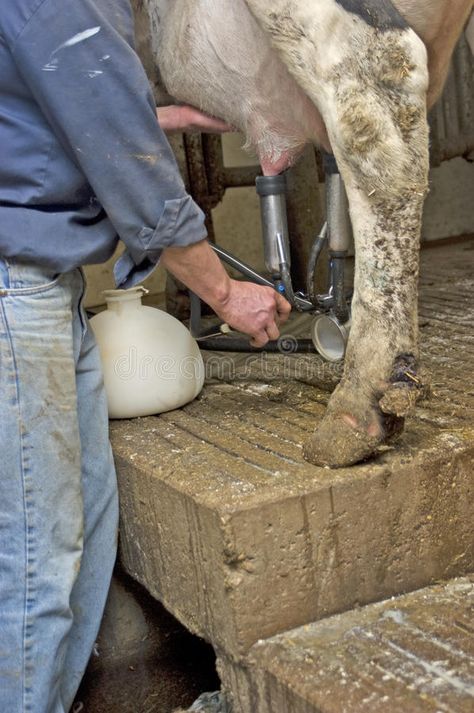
[[411, 654], [241, 540], [224, 522]]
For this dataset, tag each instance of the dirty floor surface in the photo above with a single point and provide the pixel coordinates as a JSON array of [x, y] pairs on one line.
[[256, 408], [411, 654]]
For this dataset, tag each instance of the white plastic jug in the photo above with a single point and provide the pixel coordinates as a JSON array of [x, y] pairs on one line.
[[151, 362]]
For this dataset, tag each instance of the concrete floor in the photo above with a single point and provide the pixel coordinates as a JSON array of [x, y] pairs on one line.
[[145, 661], [411, 654]]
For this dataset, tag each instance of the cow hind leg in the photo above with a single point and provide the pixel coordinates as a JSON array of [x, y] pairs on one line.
[[369, 83], [380, 140]]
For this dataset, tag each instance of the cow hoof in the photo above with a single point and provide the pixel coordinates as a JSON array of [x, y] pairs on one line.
[[338, 442]]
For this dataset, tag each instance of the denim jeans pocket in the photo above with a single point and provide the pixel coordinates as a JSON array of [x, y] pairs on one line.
[[19, 278]]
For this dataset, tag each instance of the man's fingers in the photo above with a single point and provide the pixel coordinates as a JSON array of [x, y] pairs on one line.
[[283, 308], [212, 125], [255, 310], [272, 330], [259, 339]]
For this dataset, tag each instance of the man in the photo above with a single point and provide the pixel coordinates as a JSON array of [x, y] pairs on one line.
[[83, 161]]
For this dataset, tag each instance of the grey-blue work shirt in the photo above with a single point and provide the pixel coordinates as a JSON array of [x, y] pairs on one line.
[[83, 161]]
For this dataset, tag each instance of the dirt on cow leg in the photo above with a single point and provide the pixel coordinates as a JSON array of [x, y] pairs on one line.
[[408, 384]]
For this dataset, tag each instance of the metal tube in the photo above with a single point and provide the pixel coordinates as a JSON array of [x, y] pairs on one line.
[[337, 207], [316, 249], [272, 192], [340, 229], [340, 235], [242, 267], [340, 307]]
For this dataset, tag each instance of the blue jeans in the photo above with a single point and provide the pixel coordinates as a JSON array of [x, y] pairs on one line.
[[58, 494]]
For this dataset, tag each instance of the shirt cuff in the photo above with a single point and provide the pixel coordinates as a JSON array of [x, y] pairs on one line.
[[180, 224]]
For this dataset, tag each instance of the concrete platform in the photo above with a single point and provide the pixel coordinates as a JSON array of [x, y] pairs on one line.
[[413, 654], [226, 524]]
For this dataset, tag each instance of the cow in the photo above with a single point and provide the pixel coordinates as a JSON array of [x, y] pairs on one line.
[[355, 77]]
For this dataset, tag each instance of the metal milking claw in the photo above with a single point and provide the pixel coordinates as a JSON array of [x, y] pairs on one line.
[[331, 325]]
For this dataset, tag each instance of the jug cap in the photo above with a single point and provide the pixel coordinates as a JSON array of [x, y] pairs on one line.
[[132, 293]]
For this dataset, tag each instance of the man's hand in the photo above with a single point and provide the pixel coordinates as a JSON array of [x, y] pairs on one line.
[[187, 118], [255, 310]]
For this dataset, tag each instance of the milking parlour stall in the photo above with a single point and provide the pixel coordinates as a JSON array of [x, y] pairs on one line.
[[296, 530]]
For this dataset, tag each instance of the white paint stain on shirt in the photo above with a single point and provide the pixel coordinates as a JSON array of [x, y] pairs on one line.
[[80, 37], [53, 62]]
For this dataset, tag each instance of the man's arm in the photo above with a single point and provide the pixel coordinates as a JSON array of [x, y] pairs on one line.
[[255, 310], [87, 79], [93, 90], [184, 118]]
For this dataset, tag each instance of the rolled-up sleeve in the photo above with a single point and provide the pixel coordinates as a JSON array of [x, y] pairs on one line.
[[77, 58]]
